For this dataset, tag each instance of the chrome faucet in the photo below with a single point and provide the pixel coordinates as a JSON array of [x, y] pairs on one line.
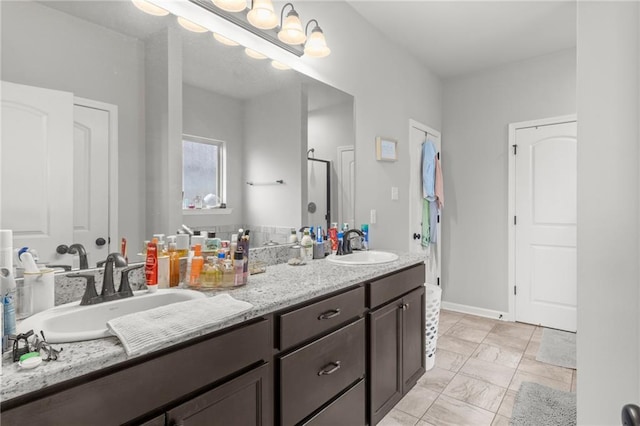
[[78, 249], [346, 241], [91, 296]]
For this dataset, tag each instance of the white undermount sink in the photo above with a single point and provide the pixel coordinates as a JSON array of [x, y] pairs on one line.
[[370, 257], [72, 323]]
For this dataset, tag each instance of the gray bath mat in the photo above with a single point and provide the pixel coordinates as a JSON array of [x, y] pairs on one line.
[[558, 348], [538, 405]]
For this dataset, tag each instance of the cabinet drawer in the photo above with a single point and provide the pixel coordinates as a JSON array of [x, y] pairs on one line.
[[348, 410], [313, 374], [388, 288], [308, 321]]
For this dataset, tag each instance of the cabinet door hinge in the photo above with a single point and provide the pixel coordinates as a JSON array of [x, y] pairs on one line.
[[515, 290], [438, 281], [515, 220], [515, 149]]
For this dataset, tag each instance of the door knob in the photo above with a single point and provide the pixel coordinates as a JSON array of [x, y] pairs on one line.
[[416, 236], [100, 242], [62, 249]]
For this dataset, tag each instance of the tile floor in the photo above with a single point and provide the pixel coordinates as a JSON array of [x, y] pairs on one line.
[[480, 364]]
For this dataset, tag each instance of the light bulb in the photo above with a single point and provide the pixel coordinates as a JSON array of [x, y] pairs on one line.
[[226, 41], [253, 54], [149, 8], [231, 5], [279, 65], [188, 25], [291, 32], [316, 45], [262, 15]]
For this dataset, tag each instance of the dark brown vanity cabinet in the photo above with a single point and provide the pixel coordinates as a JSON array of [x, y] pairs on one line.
[[228, 370], [396, 339]]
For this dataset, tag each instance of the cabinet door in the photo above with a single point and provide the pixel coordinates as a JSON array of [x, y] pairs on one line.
[[245, 401], [385, 351], [413, 338]]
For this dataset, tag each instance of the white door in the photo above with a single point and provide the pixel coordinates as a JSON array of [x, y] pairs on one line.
[[36, 167], [55, 175], [91, 182], [545, 225], [419, 134], [346, 186]]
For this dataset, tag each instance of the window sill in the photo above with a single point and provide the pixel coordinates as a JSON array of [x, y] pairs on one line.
[[206, 212]]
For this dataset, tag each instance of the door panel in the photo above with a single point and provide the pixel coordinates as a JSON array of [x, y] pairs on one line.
[[36, 195], [419, 134], [91, 181], [545, 234], [413, 338], [385, 360]]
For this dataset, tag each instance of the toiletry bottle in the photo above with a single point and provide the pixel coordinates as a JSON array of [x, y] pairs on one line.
[[340, 249], [318, 246], [244, 241], [174, 265], [182, 244], [163, 269], [233, 245], [238, 267], [307, 246], [196, 266], [365, 232], [151, 267], [8, 320], [6, 249], [293, 237], [333, 236]]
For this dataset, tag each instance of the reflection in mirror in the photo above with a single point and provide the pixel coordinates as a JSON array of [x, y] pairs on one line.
[[103, 56]]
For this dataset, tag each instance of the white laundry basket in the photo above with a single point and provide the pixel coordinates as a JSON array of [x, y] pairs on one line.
[[432, 316]]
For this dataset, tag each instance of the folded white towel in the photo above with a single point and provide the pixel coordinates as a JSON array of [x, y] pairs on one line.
[[144, 331]]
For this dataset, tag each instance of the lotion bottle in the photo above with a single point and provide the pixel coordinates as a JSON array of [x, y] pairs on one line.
[[307, 246], [151, 267], [196, 266], [174, 265]]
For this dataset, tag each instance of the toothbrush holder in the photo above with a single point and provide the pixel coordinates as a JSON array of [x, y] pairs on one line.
[[42, 289]]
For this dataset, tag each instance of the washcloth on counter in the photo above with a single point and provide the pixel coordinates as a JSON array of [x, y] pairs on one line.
[[144, 331]]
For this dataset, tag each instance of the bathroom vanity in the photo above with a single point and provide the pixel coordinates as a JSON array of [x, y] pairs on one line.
[[324, 345]]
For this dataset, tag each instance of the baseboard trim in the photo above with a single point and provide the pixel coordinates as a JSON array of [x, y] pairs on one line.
[[472, 310]]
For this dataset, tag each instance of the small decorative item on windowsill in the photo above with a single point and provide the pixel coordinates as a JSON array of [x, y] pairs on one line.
[[386, 149]]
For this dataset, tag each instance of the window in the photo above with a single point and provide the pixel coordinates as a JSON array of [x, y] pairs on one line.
[[203, 172]]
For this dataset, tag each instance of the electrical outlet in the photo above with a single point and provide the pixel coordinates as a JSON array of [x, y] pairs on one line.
[[374, 216], [394, 193]]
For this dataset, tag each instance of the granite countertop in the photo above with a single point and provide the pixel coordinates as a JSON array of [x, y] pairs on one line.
[[280, 287]]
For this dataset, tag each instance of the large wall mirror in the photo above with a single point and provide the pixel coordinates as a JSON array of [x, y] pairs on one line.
[[115, 77]]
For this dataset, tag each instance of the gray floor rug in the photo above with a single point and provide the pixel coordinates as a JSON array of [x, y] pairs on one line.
[[558, 348], [538, 405]]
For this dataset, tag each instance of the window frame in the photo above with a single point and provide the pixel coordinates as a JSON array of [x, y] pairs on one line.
[[221, 166]]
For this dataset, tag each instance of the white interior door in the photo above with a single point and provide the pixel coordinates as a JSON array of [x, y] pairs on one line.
[[36, 167], [346, 186], [545, 225], [419, 134], [91, 182]]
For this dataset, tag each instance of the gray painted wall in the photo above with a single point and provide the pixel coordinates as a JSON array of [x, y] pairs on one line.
[[477, 110], [112, 71], [390, 87], [215, 116], [608, 214], [274, 146], [329, 128]]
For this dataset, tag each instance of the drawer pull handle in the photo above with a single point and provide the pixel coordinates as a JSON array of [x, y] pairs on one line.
[[329, 314], [404, 306], [330, 368]]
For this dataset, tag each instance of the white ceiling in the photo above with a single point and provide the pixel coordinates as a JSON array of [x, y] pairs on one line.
[[460, 37]]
